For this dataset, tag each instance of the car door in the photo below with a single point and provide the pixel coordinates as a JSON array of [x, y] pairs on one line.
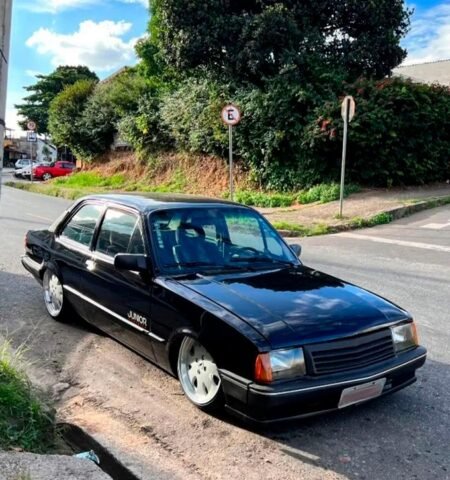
[[72, 254], [123, 297]]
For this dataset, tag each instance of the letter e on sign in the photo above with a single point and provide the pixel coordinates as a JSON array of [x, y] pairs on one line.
[[231, 115]]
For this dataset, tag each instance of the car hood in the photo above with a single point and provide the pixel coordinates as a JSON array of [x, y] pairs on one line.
[[297, 306]]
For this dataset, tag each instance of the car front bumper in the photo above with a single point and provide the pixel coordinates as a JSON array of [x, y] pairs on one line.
[[311, 396]]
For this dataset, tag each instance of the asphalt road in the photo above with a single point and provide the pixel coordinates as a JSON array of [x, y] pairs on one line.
[[140, 411]]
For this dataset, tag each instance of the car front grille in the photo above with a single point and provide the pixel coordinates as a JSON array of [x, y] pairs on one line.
[[349, 354]]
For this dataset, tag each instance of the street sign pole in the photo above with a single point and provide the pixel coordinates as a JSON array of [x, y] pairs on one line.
[[31, 162], [348, 111], [231, 116], [230, 135], [31, 137]]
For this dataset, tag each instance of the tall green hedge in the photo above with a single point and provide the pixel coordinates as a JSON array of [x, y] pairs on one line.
[[400, 134]]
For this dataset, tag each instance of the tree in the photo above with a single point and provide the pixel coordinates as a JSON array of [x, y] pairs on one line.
[[36, 106], [251, 40], [65, 114]]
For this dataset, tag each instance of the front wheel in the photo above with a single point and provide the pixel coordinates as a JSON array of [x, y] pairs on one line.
[[46, 176], [199, 375], [54, 296]]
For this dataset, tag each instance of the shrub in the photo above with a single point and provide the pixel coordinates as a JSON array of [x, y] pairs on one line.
[[325, 193], [260, 199], [399, 135], [192, 115]]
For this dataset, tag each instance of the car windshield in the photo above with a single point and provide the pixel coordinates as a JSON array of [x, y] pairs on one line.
[[216, 239]]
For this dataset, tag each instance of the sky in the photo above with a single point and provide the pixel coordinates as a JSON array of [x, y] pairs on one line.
[[101, 34]]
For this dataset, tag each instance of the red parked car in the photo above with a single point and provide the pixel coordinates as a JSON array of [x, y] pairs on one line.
[[59, 169]]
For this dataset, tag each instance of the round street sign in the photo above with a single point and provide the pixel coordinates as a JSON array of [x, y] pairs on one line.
[[231, 115], [31, 125], [348, 103]]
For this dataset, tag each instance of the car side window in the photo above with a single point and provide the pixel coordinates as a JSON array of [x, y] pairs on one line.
[[81, 226], [120, 232]]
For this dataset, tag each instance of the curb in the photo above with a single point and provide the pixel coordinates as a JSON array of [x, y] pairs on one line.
[[394, 213]]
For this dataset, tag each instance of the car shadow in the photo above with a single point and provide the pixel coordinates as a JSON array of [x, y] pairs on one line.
[[403, 435]]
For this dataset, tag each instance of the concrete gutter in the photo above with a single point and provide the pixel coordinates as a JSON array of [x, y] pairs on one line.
[[29, 466]]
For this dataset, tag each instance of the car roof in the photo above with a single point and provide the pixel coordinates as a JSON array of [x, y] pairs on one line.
[[147, 202]]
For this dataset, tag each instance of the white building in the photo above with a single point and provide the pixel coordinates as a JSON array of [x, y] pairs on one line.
[[45, 151], [429, 72]]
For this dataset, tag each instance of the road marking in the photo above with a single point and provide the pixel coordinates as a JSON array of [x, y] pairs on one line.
[[436, 226], [40, 218], [401, 243]]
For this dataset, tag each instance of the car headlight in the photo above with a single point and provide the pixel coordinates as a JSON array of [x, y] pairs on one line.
[[404, 337], [280, 364]]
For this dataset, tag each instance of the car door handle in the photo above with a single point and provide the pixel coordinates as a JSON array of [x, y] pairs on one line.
[[90, 264]]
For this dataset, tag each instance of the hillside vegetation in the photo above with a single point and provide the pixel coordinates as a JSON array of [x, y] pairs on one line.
[[287, 64]]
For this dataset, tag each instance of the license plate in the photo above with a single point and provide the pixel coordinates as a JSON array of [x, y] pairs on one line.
[[361, 393]]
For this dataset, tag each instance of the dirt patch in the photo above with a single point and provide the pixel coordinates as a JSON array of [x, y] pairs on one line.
[[187, 173]]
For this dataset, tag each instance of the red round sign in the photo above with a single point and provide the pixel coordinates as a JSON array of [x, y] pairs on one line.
[[231, 115]]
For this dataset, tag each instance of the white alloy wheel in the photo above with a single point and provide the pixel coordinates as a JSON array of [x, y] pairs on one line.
[[198, 373], [53, 294], [46, 176]]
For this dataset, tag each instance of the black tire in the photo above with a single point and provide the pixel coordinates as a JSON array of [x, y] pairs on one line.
[[47, 176]]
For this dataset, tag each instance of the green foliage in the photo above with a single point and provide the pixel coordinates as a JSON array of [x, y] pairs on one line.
[[24, 421], [192, 115], [261, 199], [254, 40], [36, 105], [399, 135], [66, 113], [379, 219], [324, 193], [302, 230], [144, 130]]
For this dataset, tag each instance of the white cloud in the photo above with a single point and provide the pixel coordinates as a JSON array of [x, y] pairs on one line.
[[429, 38], [32, 73], [99, 46], [144, 3], [55, 6]]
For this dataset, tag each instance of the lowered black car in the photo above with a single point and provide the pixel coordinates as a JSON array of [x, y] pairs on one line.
[[211, 293]]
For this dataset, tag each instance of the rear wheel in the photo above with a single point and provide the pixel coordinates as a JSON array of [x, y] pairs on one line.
[[54, 296], [46, 176], [199, 375]]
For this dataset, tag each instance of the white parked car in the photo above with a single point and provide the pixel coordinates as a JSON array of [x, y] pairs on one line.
[[25, 171]]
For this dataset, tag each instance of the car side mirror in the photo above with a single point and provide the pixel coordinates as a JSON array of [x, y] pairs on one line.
[[297, 249], [133, 263]]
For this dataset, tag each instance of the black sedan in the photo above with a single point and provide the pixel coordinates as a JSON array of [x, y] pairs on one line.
[[210, 292]]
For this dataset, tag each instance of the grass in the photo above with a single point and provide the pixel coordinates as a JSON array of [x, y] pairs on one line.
[[303, 230], [90, 179], [25, 421], [325, 192], [261, 199], [379, 219]]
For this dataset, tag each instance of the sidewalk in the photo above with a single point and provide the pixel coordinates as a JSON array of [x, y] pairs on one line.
[[360, 209]]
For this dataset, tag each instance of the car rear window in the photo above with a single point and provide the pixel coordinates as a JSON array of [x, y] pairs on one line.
[[81, 226]]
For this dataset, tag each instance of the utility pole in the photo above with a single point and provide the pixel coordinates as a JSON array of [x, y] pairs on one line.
[[5, 35]]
